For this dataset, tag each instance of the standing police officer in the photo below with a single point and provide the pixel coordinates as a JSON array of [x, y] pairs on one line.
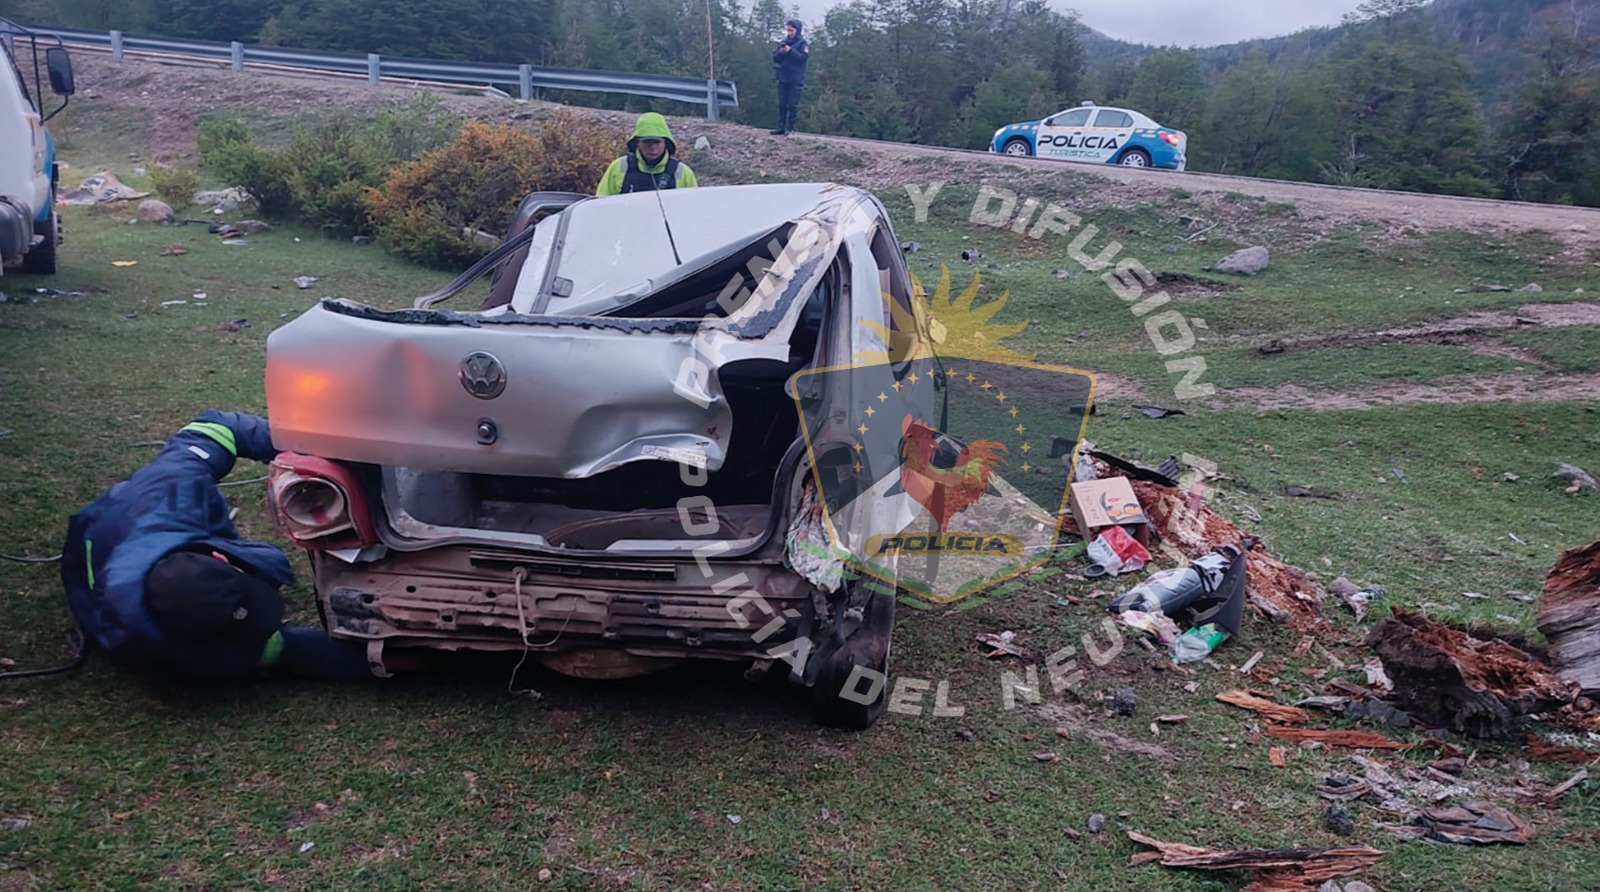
[[789, 59]]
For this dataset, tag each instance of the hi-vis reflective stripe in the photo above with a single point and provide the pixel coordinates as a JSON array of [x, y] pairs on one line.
[[88, 560], [219, 432]]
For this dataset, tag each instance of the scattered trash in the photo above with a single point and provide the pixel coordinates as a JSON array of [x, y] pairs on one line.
[[1097, 823], [1265, 708], [1157, 411], [1172, 591], [236, 241], [1072, 834], [235, 325], [1490, 289], [1251, 663], [911, 247], [306, 847], [1047, 756], [15, 823], [1114, 552], [1569, 616], [174, 250], [124, 263], [1003, 644], [1399, 475], [1446, 677], [1576, 476], [1476, 823], [1337, 820], [1158, 625], [1333, 737], [173, 303], [304, 282], [1125, 702], [545, 875], [964, 734], [971, 256], [100, 188], [1359, 600], [1197, 643], [360, 239], [734, 819], [1060, 273], [1377, 677], [1510, 477], [1476, 596], [1172, 719], [1272, 870]]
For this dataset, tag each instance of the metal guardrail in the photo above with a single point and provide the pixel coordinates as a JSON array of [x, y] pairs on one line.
[[714, 94]]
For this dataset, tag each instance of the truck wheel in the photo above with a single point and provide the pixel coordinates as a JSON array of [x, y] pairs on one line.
[[839, 690], [42, 259]]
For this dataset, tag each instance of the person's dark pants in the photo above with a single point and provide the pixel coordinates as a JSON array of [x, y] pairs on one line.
[[788, 105]]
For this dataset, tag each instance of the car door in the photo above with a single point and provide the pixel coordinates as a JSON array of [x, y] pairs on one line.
[[1112, 129], [1060, 135]]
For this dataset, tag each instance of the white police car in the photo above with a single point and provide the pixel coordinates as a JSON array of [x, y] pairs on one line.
[[1096, 134]]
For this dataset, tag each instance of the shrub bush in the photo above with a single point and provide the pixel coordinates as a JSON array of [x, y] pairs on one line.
[[425, 209], [328, 167], [174, 185]]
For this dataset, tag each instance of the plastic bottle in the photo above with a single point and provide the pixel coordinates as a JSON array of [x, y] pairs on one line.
[[1197, 643]]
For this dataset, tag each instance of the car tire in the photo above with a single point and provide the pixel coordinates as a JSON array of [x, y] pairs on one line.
[[1135, 158], [868, 648], [42, 259], [1017, 146]]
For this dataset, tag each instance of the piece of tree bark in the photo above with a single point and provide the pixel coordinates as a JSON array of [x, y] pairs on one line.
[[1569, 616]]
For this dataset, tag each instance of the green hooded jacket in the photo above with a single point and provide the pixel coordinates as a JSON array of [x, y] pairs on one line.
[[649, 125]]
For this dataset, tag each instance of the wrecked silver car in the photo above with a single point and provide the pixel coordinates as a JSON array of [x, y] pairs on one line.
[[603, 464]]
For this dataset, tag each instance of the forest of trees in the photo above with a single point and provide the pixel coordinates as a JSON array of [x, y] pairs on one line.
[[1472, 97]]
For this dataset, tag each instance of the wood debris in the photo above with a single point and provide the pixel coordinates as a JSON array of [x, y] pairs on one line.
[[1446, 677], [1476, 823], [1569, 616], [1273, 870], [1278, 756], [1357, 739], [1539, 751], [1265, 708]]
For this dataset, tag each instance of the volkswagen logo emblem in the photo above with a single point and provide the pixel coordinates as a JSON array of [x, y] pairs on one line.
[[483, 376]]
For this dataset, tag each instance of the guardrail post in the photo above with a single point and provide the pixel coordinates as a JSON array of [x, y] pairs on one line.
[[116, 45], [713, 105], [238, 56], [525, 73], [374, 69]]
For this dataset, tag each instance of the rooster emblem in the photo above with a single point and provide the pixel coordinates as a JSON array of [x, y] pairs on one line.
[[945, 491]]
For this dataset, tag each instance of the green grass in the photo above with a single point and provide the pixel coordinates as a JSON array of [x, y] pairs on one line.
[[447, 781], [1570, 349]]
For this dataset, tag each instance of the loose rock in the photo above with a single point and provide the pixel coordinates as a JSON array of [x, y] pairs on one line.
[[1097, 823], [154, 211], [1248, 262], [1126, 701]]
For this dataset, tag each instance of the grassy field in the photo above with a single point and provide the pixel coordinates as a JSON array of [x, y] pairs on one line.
[[696, 779]]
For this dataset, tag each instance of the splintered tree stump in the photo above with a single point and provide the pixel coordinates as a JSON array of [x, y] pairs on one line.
[[1446, 677], [1569, 617]]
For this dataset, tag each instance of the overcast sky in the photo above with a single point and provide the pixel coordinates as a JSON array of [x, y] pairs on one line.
[[1180, 22]]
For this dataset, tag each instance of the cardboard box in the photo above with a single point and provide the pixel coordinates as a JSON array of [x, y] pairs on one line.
[[1098, 504]]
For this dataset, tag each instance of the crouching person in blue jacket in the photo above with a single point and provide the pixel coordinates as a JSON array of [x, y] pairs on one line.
[[158, 576]]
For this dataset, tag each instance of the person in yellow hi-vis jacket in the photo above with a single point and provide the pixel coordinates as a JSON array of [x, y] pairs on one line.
[[651, 162]]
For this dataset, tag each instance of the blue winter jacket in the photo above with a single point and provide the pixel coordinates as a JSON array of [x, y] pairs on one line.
[[791, 66], [170, 503]]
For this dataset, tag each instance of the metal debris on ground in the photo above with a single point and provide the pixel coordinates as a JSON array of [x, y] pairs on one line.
[[304, 282], [1004, 643], [1158, 411], [1272, 870], [1447, 677]]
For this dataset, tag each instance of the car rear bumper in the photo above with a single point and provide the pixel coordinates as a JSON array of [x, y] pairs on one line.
[[473, 598]]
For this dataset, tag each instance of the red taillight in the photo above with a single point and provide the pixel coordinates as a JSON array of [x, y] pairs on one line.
[[1170, 138], [318, 504]]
